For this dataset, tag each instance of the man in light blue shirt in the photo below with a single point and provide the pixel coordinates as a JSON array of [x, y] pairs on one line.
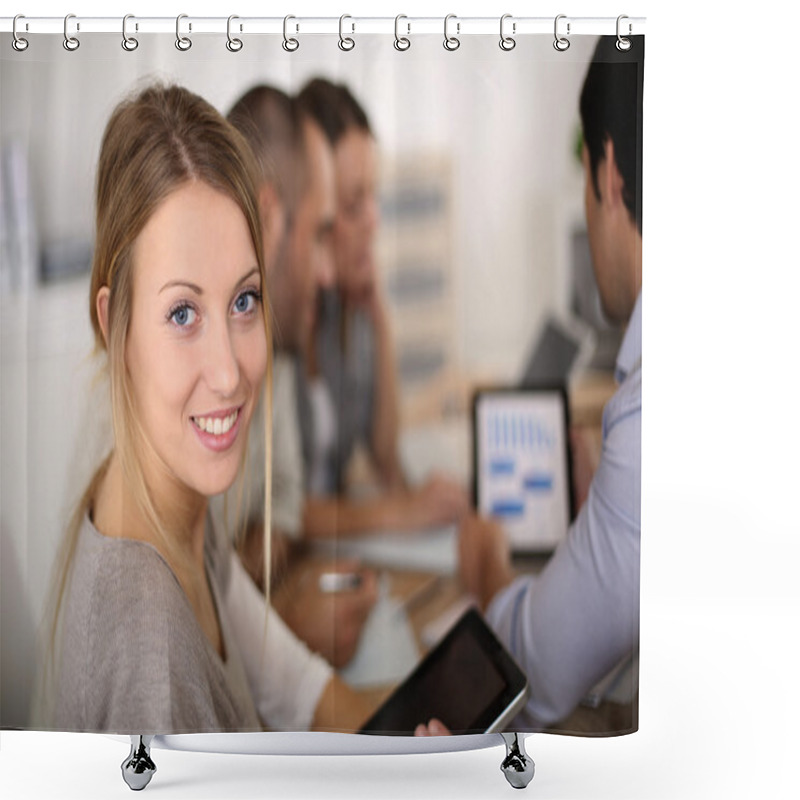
[[576, 625]]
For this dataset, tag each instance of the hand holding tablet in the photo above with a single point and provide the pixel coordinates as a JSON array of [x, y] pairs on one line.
[[467, 684]]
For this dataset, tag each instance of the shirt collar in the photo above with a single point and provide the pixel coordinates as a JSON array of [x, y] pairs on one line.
[[630, 352]]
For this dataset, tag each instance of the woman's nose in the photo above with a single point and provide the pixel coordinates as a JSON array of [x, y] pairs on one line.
[[222, 364]]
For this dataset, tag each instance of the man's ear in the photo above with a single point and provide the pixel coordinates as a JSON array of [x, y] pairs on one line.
[[101, 306], [610, 179], [273, 217]]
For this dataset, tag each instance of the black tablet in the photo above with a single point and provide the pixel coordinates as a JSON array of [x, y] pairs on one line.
[[468, 681], [522, 464]]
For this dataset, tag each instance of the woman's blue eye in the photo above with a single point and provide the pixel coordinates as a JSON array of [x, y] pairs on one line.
[[246, 302], [183, 316]]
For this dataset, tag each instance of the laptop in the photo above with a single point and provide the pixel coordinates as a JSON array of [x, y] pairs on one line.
[[562, 348]]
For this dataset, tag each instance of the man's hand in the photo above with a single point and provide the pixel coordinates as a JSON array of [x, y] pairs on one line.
[[484, 558], [437, 502], [586, 447]]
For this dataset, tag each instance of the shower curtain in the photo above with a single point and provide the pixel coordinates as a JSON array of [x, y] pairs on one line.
[[468, 215]]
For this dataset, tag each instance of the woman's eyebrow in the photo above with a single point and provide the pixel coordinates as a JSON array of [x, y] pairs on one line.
[[193, 286], [197, 290], [246, 277]]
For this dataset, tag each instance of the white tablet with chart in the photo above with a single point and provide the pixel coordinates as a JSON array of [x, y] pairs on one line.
[[521, 462]]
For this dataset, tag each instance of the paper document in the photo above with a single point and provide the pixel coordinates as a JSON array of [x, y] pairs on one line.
[[431, 550], [387, 650]]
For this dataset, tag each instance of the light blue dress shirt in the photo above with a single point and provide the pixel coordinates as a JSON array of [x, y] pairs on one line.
[[577, 621]]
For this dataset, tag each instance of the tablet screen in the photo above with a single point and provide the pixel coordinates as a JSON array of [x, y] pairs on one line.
[[522, 473], [468, 681]]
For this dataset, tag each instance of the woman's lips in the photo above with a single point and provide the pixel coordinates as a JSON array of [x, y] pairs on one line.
[[218, 431]]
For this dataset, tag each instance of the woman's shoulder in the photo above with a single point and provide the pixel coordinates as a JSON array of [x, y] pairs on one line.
[[127, 631], [105, 566]]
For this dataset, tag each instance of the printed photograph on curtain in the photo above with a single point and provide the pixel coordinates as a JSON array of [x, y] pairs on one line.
[[320, 385]]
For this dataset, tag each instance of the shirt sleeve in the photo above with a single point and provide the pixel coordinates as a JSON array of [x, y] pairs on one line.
[[571, 625], [286, 679]]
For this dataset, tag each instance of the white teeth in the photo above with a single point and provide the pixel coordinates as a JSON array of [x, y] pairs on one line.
[[216, 426]]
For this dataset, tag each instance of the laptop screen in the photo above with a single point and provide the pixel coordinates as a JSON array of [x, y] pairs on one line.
[[522, 465], [552, 358]]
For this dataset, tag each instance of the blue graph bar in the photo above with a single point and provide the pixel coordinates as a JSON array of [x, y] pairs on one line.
[[507, 508], [501, 466], [538, 482]]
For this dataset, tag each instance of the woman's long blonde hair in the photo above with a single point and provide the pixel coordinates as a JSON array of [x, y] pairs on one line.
[[154, 143]]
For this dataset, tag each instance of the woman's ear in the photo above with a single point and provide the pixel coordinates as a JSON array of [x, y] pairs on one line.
[[101, 306]]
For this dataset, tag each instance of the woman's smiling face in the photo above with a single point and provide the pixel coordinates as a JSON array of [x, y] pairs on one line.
[[196, 349]]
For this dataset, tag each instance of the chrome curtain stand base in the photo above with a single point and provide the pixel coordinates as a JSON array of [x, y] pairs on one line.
[[138, 768], [518, 766]]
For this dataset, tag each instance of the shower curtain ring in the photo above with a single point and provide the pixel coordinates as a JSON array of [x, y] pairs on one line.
[[561, 43], [290, 44], [451, 42], [129, 43], [507, 42], [71, 43], [18, 43], [623, 43], [346, 43], [233, 44], [183, 43], [401, 42]]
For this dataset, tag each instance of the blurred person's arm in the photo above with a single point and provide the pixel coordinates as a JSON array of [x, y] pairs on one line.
[[330, 623], [585, 459], [386, 415], [438, 501], [340, 708], [484, 559]]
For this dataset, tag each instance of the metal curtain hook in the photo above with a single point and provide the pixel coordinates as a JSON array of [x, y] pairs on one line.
[[182, 42], [289, 44], [233, 44], [71, 43], [401, 42], [561, 43], [346, 42], [623, 43], [507, 42], [451, 42], [17, 42], [129, 43]]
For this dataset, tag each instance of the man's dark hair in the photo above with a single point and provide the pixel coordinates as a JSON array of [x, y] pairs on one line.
[[611, 108], [272, 124], [333, 107]]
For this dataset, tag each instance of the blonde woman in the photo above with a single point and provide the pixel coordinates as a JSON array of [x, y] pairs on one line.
[[156, 627]]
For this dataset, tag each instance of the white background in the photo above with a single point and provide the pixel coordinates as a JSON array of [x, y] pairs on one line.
[[719, 709]]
